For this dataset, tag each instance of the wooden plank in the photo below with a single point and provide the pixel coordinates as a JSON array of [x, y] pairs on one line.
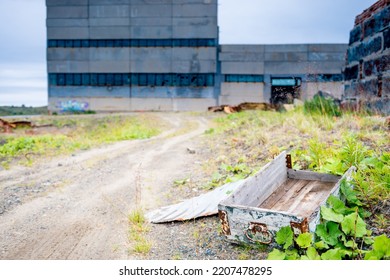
[[258, 188], [310, 175], [315, 194], [277, 195]]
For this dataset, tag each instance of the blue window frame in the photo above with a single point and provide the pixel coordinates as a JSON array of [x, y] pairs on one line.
[[134, 79], [120, 43], [77, 79], [240, 78], [86, 81], [94, 79]]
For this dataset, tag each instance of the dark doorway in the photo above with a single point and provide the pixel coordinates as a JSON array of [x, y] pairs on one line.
[[285, 90]]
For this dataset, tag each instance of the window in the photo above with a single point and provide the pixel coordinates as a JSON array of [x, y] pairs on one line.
[[134, 79], [239, 78], [77, 79], [285, 81], [120, 43], [86, 81]]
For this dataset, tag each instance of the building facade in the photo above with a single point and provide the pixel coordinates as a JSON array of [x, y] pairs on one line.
[[367, 72], [164, 55]]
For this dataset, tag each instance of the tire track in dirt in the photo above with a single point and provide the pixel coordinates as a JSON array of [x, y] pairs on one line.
[[85, 216]]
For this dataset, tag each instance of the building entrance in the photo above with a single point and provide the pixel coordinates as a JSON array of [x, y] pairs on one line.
[[285, 90]]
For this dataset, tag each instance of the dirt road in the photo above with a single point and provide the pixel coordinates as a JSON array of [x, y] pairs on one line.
[[77, 206]]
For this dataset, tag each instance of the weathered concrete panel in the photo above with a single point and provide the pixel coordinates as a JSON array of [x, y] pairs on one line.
[[67, 22], [243, 48], [242, 89], [286, 56], [212, 2], [109, 54], [293, 68], [112, 32], [341, 48], [150, 2], [151, 32], [151, 66], [143, 54], [196, 66], [63, 66], [190, 10], [236, 100], [111, 11], [149, 21], [150, 104], [98, 104], [194, 53], [67, 12], [194, 32], [110, 2], [76, 54], [172, 92], [66, 2], [243, 68], [287, 48], [78, 91], [67, 32], [107, 66], [243, 57], [326, 56], [195, 21], [109, 21], [153, 11]]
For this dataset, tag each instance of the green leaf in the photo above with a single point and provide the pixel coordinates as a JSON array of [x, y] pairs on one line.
[[338, 206], [304, 240], [321, 245], [382, 246], [329, 233], [368, 240], [311, 254], [353, 225], [330, 215], [284, 237], [350, 244], [292, 254], [349, 193], [276, 255], [332, 254]]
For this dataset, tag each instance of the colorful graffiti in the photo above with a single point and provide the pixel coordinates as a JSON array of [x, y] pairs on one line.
[[72, 106]]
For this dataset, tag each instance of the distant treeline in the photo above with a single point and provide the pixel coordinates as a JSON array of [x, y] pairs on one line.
[[22, 110]]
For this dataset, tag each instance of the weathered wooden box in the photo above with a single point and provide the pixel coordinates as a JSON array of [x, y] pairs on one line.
[[275, 197]]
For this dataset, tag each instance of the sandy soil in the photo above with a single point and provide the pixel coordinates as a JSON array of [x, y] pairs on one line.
[[76, 207]]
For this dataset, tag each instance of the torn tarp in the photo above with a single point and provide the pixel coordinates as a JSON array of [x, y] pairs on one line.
[[200, 206]]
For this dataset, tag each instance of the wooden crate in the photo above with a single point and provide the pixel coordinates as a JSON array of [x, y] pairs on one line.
[[275, 197]]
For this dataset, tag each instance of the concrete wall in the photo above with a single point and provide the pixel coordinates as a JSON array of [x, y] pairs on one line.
[[112, 104], [132, 20], [367, 71], [310, 62], [171, 37]]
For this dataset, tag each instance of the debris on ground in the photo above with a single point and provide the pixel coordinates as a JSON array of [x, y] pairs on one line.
[[200, 206], [229, 109], [8, 126]]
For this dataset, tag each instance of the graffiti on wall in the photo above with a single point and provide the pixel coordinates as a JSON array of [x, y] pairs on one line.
[[72, 106]]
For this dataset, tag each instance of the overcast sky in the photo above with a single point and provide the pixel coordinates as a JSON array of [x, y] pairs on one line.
[[23, 35]]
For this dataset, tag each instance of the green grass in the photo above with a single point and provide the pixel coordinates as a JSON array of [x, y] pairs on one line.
[[74, 133], [137, 232], [321, 142]]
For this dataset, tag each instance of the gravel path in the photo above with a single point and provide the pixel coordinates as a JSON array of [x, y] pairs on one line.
[[77, 207]]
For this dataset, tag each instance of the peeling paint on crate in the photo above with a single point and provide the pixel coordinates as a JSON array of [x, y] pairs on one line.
[[250, 222]]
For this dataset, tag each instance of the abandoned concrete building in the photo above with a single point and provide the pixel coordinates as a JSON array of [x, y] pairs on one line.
[[131, 55]]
